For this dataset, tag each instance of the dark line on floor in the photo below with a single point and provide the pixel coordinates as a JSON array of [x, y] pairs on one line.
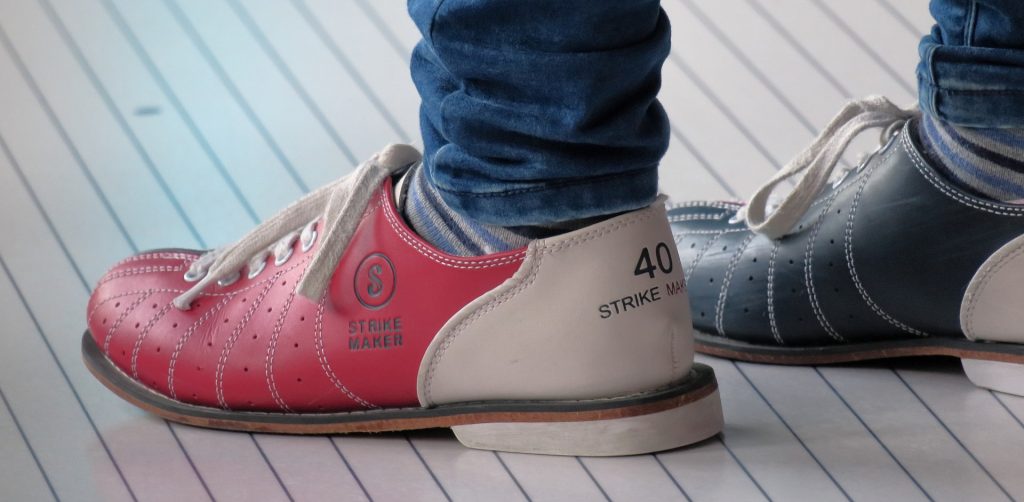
[[78, 271], [860, 42], [108, 101], [190, 124], [791, 431], [951, 434], [271, 467], [513, 476], [725, 110], [350, 469], [72, 149], [286, 72], [39, 205], [872, 432], [799, 48], [592, 478], [427, 466], [381, 26], [81, 277], [900, 18], [234, 91], [743, 466], [28, 444], [725, 41], [332, 47], [1003, 404], [190, 462], [67, 379], [670, 476], [695, 153]]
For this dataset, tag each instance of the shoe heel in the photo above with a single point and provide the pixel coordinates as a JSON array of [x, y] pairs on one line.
[[658, 431], [996, 375]]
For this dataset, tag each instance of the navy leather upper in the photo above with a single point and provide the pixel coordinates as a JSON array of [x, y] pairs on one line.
[[887, 254]]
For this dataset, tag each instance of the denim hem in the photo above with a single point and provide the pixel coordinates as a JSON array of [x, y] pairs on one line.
[[971, 86], [555, 202]]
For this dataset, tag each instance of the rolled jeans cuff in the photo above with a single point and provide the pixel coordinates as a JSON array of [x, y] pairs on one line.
[[971, 86], [558, 201]]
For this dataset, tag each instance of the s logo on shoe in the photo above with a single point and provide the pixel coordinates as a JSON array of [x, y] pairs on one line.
[[375, 281]]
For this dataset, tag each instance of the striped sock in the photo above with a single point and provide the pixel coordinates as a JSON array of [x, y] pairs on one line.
[[453, 233], [988, 162]]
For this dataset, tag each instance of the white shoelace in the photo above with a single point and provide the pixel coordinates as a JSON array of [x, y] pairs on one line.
[[817, 164], [338, 206]]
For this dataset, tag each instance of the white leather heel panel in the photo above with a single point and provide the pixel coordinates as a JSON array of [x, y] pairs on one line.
[[993, 306], [585, 317]]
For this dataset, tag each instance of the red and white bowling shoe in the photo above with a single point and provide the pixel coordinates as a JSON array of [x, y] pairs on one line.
[[334, 317]]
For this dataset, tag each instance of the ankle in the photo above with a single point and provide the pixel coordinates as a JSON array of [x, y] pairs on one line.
[[426, 212], [985, 161]]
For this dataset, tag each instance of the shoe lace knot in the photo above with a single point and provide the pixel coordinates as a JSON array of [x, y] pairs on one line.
[[337, 206], [817, 164]]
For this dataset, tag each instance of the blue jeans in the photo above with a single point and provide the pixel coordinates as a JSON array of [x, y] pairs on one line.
[[541, 111], [972, 64]]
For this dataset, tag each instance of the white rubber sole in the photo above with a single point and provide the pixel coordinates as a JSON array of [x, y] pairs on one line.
[[663, 430], [996, 375]]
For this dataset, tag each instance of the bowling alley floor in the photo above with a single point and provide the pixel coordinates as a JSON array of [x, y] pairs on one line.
[[134, 124]]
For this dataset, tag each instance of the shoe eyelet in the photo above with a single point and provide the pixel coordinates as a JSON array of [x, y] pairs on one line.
[[254, 271], [307, 242], [281, 259], [193, 275], [229, 280]]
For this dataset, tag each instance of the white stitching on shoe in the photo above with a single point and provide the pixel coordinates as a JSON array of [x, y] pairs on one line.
[[932, 178], [530, 276], [808, 265], [848, 248], [979, 285], [712, 204], [590, 235], [467, 264], [142, 336], [179, 291], [539, 248], [188, 258], [180, 345], [724, 291], [229, 343], [124, 315], [696, 217], [272, 348], [139, 271], [325, 365], [700, 255], [719, 233], [771, 293]]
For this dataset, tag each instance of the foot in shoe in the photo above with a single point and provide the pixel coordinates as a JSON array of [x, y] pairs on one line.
[[988, 162], [886, 259], [437, 223], [334, 316]]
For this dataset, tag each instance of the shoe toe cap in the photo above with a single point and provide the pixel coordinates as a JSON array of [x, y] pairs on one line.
[[132, 299]]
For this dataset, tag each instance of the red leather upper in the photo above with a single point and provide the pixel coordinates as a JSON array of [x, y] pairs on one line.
[[257, 345]]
